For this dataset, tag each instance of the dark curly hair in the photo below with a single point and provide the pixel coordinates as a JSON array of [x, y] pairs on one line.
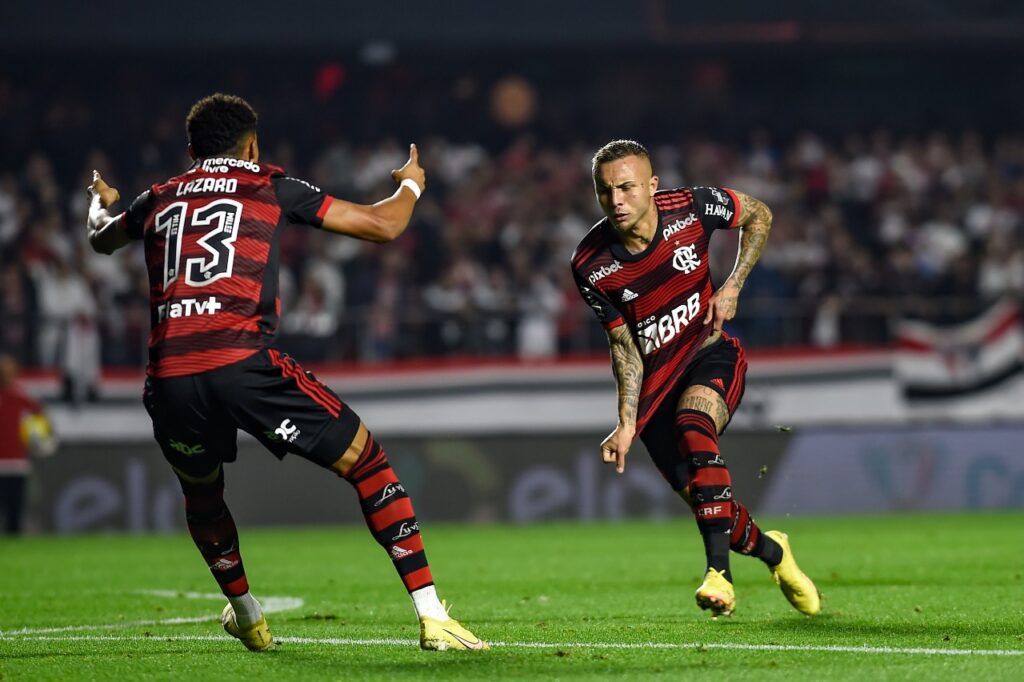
[[216, 124], [619, 149]]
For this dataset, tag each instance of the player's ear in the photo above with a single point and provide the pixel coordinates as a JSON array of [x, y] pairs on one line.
[[191, 152], [254, 149], [654, 184]]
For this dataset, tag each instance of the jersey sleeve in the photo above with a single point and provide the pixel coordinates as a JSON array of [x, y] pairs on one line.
[[301, 202], [606, 313], [718, 207], [135, 217]]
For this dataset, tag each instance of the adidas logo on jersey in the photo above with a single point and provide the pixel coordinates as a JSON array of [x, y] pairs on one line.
[[629, 295]]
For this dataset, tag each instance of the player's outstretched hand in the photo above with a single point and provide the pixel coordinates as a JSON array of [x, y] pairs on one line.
[[108, 195], [722, 305], [411, 170], [615, 447]]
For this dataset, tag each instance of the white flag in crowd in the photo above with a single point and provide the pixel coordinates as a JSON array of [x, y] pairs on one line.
[[954, 360]]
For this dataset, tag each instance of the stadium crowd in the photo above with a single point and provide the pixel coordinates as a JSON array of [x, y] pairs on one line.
[[867, 227]]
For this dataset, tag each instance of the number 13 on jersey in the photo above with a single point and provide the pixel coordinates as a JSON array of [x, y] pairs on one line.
[[222, 218]]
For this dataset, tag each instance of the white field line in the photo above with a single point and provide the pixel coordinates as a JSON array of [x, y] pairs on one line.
[[269, 604], [334, 641]]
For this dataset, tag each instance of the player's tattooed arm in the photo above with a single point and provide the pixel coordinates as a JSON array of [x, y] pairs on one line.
[[628, 368], [755, 221]]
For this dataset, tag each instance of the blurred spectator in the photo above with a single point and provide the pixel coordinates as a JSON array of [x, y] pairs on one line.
[[868, 225]]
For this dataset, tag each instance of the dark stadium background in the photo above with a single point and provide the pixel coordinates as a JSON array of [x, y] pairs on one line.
[[886, 137]]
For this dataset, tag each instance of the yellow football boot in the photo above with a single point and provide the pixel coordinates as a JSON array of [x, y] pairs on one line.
[[798, 588], [448, 635], [717, 594], [256, 637]]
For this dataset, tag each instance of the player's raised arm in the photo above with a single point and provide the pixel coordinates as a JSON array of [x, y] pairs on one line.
[[384, 220], [628, 368], [106, 232], [755, 222]]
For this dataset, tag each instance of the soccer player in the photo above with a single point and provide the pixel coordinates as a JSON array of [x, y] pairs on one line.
[[643, 269], [210, 238]]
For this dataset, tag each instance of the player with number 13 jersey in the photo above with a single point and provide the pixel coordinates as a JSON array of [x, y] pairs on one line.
[[211, 243], [214, 287]]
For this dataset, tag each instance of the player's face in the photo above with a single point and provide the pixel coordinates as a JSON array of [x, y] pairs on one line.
[[624, 189]]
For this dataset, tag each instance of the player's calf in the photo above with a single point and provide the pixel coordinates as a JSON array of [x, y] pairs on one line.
[[392, 521]]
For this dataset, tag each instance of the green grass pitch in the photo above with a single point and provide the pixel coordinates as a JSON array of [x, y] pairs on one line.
[[910, 597]]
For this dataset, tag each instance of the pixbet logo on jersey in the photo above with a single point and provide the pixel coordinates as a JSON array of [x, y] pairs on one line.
[[188, 307], [604, 271], [679, 225], [655, 335]]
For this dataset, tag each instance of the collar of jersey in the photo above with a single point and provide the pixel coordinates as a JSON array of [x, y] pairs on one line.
[[620, 251]]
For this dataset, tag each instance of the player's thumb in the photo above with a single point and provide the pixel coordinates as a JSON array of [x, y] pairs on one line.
[[620, 461], [711, 312]]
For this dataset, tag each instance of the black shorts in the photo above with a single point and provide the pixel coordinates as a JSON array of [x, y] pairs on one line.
[[721, 367], [196, 418]]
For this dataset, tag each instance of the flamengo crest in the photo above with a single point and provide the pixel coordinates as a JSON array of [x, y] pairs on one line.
[[685, 259]]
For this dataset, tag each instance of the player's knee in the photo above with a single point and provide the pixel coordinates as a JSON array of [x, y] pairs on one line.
[[202, 491], [347, 460]]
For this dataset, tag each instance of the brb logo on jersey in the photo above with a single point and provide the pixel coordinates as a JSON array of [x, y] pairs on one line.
[[655, 335], [685, 259]]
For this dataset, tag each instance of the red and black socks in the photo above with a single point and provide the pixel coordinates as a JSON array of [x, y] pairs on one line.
[[710, 485], [747, 538], [389, 515], [213, 530]]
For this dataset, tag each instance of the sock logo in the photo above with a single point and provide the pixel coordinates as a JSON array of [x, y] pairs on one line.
[[406, 529], [390, 490], [718, 382], [399, 552], [725, 494], [223, 564]]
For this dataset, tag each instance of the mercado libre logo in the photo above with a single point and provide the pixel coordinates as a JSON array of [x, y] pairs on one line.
[[905, 470]]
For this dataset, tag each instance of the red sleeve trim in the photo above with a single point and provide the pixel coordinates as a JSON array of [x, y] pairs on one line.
[[736, 205], [328, 200], [617, 322]]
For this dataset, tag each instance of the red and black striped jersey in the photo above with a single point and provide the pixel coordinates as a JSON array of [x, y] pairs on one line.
[[210, 239], [661, 293]]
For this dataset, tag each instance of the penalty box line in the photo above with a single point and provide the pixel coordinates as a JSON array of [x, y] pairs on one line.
[[696, 646]]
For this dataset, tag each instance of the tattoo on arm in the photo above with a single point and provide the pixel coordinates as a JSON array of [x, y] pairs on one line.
[[628, 368], [755, 221]]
